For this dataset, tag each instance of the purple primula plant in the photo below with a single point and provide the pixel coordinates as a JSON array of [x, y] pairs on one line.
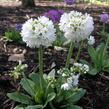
[[18, 27], [69, 2], [54, 15], [104, 18]]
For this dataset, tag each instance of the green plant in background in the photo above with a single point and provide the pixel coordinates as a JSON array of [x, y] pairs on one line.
[[13, 36], [99, 56], [60, 39], [99, 2], [18, 70], [99, 59]]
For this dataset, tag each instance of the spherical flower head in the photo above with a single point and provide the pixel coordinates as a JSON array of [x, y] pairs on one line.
[[104, 18], [91, 40], [76, 26], [54, 15], [38, 32], [69, 2]]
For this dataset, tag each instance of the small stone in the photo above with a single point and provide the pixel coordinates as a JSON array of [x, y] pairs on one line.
[[15, 50], [17, 57]]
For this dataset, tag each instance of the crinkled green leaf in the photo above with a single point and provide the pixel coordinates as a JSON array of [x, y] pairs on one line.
[[51, 96], [76, 96], [39, 96], [34, 107], [35, 77], [92, 53], [19, 107], [100, 55], [74, 107], [29, 86], [93, 71], [20, 97]]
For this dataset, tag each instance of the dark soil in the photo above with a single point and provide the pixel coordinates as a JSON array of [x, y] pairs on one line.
[[97, 87]]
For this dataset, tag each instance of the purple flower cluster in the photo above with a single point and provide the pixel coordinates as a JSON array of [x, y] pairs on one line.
[[69, 2], [18, 27], [104, 18], [54, 15]]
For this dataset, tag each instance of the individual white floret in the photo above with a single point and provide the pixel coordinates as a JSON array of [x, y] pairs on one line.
[[91, 40], [66, 86]]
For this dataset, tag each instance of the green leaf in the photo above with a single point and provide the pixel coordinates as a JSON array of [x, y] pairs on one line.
[[20, 97], [106, 65], [100, 55], [35, 77], [39, 96], [100, 47], [74, 107], [19, 107], [76, 96], [13, 35], [60, 39], [34, 107], [29, 86], [51, 96], [93, 71], [84, 61], [92, 53]]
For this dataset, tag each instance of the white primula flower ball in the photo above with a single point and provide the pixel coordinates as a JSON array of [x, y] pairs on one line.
[[36, 32], [91, 40], [76, 26]]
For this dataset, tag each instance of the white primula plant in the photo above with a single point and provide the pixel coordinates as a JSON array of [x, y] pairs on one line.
[[36, 32], [91, 40], [76, 26]]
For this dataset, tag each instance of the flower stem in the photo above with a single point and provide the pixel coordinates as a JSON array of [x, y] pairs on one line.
[[69, 55], [103, 27], [79, 51], [106, 45], [41, 64]]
